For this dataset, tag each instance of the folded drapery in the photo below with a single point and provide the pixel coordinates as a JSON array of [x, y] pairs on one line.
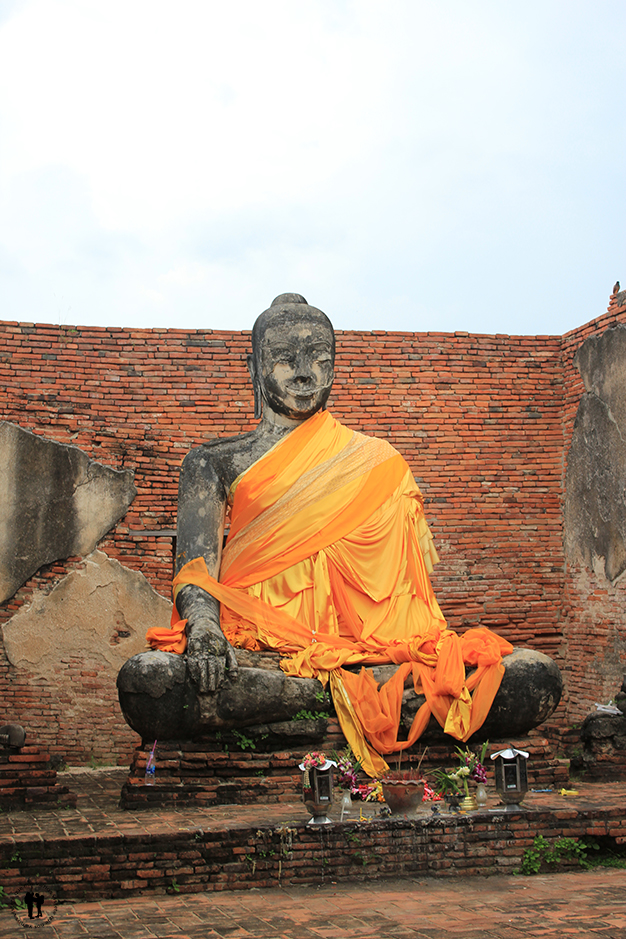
[[327, 562]]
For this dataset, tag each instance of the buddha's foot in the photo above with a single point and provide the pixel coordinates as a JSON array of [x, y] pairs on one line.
[[530, 692]]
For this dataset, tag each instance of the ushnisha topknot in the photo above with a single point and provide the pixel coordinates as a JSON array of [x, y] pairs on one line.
[[281, 307], [287, 298]]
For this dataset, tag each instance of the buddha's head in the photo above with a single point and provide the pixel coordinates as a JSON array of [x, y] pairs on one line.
[[293, 356]]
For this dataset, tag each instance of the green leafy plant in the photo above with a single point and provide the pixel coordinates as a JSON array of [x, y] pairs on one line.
[[323, 699], [305, 715], [243, 742], [175, 886], [561, 849]]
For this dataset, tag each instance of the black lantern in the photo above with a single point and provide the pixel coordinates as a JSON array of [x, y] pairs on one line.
[[511, 775], [317, 790]]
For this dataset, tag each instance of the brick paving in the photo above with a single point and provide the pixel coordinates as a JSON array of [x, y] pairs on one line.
[[576, 904], [98, 811], [584, 904]]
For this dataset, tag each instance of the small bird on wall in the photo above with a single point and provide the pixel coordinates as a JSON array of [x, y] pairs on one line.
[[616, 287]]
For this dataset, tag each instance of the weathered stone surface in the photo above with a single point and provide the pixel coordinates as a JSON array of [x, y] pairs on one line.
[[598, 725], [602, 755], [99, 613], [54, 503], [159, 700], [595, 509], [284, 735], [530, 692]]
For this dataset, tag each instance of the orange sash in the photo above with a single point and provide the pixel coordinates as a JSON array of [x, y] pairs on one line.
[[327, 561]]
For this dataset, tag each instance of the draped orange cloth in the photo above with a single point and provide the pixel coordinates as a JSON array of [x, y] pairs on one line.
[[327, 561]]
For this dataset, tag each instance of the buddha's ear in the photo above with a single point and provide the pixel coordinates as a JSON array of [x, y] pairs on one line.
[[258, 397]]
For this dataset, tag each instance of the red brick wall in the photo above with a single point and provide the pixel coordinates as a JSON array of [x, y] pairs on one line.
[[484, 422]]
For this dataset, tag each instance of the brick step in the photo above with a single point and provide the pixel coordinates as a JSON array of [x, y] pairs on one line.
[[29, 797], [195, 773], [242, 853], [27, 780]]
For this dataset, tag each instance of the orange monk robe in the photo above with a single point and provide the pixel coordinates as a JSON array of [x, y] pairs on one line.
[[327, 562]]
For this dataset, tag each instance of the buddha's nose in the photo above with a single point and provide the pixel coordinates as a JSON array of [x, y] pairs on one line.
[[303, 371]]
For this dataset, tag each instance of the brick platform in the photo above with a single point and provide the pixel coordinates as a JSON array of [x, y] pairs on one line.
[[27, 779], [98, 850], [200, 774], [208, 772]]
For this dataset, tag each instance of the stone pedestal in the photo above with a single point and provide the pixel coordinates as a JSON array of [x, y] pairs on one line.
[[229, 771], [202, 773]]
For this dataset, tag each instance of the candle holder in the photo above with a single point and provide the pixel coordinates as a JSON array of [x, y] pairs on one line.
[[511, 775], [317, 787]]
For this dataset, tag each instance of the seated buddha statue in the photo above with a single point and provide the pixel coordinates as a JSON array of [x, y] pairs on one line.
[[308, 539]]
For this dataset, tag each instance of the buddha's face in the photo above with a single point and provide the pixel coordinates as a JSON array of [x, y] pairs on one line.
[[297, 366]]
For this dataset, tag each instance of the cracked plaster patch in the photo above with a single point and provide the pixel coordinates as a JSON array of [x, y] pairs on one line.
[[99, 614], [55, 503]]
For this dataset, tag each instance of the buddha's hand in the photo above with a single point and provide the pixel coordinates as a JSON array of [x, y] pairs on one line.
[[210, 657]]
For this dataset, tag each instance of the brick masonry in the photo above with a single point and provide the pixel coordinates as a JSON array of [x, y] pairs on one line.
[[484, 421], [28, 780], [239, 857], [214, 771]]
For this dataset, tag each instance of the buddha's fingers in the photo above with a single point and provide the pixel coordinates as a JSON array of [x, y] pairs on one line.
[[198, 666], [232, 665]]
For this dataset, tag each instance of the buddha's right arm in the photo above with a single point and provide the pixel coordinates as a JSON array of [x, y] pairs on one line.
[[200, 531], [202, 499]]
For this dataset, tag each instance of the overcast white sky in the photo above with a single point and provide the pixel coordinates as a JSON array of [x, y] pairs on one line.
[[405, 164]]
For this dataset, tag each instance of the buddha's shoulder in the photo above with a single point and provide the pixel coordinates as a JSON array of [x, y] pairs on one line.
[[220, 450], [374, 444], [226, 457]]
